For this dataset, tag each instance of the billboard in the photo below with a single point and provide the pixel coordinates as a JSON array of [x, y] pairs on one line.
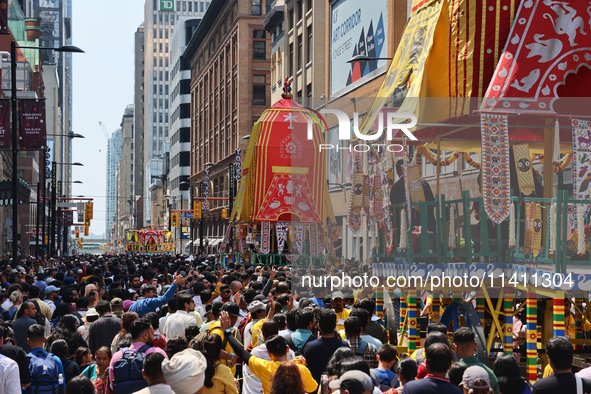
[[357, 29]]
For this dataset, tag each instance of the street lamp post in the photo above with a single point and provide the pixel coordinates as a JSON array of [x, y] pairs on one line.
[[13, 47]]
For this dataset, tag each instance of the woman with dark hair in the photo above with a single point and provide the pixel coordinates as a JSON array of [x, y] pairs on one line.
[[506, 369], [175, 345], [66, 330], [61, 310], [80, 384], [218, 377], [99, 373], [122, 339], [333, 368], [287, 380], [407, 371], [355, 363], [59, 347]]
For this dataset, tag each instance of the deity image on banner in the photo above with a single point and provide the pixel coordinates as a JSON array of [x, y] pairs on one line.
[[335, 158]]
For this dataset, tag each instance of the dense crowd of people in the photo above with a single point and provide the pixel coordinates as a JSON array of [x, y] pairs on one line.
[[164, 324]]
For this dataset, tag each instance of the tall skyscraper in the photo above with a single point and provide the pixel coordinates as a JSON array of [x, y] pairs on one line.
[[113, 157], [138, 127], [180, 109], [160, 19]]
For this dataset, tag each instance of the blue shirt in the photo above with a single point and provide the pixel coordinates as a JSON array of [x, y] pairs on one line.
[[318, 301], [60, 367], [41, 284], [300, 337], [147, 305]]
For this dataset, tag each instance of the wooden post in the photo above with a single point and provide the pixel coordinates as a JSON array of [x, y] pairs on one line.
[[438, 161], [436, 308], [579, 322], [548, 154], [413, 331], [532, 337]]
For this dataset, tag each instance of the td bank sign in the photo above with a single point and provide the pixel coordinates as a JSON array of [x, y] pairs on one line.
[[166, 5]]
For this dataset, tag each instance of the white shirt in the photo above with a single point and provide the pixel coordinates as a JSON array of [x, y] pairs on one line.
[[369, 339], [156, 389], [252, 384], [10, 381], [285, 333], [248, 333], [51, 305], [176, 324], [7, 304]]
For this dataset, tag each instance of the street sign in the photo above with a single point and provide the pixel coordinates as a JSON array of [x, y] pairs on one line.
[[205, 206], [66, 204]]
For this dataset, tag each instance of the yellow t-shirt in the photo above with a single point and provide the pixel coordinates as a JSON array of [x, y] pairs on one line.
[[416, 353], [223, 382], [548, 371], [216, 328], [341, 318], [264, 370], [256, 329], [570, 324]]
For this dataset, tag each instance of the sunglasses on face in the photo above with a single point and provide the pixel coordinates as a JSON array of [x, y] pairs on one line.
[[227, 291]]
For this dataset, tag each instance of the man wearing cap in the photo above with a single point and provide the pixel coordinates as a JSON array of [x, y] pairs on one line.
[[232, 310], [475, 381], [465, 346], [353, 382], [150, 302], [257, 312], [263, 369], [51, 295], [438, 360], [177, 322], [117, 307], [338, 305]]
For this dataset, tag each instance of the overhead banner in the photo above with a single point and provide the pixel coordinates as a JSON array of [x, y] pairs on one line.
[[353, 33], [4, 17], [32, 127], [4, 124]]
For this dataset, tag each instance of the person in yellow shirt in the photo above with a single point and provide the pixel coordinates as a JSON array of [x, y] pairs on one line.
[[263, 369], [218, 377], [231, 310], [338, 305]]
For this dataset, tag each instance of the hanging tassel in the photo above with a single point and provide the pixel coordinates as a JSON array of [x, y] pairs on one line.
[[364, 161], [552, 247], [581, 230], [452, 229], [512, 236], [374, 237], [556, 155], [403, 238]]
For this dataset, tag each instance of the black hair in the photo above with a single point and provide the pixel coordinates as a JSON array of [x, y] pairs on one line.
[[436, 337], [182, 300], [80, 384], [408, 368], [387, 353], [327, 321], [456, 372], [334, 364], [34, 292], [138, 327], [279, 318], [172, 305], [277, 346], [59, 347], [352, 326], [191, 331], [368, 304], [205, 296], [560, 352], [438, 357], [154, 319], [436, 327], [216, 308], [82, 302], [61, 309], [506, 369], [355, 363], [362, 315], [464, 335], [175, 345], [153, 365], [80, 353], [304, 318], [212, 346], [103, 306], [36, 332]]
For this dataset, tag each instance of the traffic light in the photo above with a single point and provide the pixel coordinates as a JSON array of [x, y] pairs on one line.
[[86, 222], [77, 233], [196, 209], [88, 211], [86, 230], [224, 213], [174, 218]]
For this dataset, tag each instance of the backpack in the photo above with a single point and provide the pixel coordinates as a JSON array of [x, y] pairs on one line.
[[127, 371], [197, 342], [242, 327], [380, 383], [361, 349], [292, 345], [44, 371]]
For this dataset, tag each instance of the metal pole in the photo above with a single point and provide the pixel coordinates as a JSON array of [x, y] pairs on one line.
[[43, 230], [14, 152], [180, 223], [37, 218], [201, 223], [52, 208], [231, 181]]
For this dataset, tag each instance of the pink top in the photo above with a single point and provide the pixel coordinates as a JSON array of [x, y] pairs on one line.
[[135, 346]]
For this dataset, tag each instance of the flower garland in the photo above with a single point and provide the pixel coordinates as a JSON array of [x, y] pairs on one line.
[[512, 235], [471, 162], [552, 247], [431, 158], [403, 238], [561, 164], [581, 230], [452, 229]]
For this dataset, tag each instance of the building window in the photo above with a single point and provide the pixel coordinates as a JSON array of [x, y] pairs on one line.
[[290, 19], [166, 19], [300, 52], [155, 89], [160, 75], [160, 47], [258, 95], [155, 19], [172, 19], [166, 76], [259, 50], [160, 18], [300, 13], [190, 6], [160, 119], [155, 5], [178, 7], [166, 62], [309, 5], [155, 32], [269, 3], [160, 62], [160, 89], [259, 34], [160, 33], [309, 49], [201, 6], [184, 6], [309, 89], [155, 75], [155, 62], [155, 117], [166, 90], [166, 34], [256, 7]]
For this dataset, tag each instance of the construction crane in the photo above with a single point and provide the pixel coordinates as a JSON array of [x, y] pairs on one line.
[[107, 137]]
